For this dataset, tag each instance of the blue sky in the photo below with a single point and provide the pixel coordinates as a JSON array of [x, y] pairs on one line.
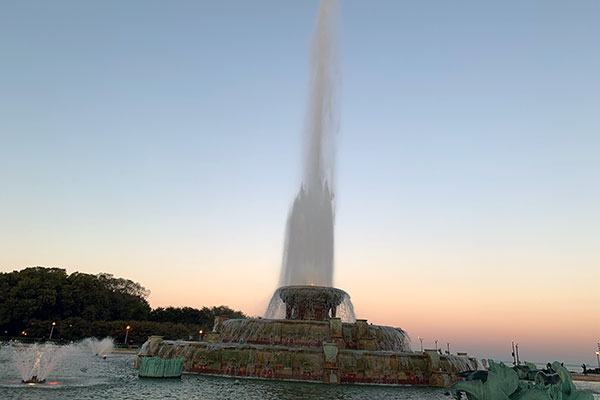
[[161, 141]]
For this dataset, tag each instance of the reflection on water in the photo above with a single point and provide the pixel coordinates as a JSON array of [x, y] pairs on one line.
[[89, 377]]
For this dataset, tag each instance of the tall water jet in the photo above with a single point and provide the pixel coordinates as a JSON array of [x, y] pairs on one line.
[[308, 255], [309, 244]]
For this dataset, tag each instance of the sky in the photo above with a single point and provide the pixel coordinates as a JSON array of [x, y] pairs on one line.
[[161, 142]]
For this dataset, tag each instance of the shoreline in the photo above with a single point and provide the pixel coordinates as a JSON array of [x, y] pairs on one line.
[[124, 351], [585, 378]]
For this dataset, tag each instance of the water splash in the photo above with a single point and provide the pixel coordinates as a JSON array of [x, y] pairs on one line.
[[308, 253], [98, 347], [37, 360], [391, 339], [463, 363], [276, 308], [345, 310]]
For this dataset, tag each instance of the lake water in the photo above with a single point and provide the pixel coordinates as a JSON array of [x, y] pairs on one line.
[[84, 376]]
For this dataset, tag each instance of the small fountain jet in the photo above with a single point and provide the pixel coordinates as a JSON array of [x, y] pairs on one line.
[[34, 380]]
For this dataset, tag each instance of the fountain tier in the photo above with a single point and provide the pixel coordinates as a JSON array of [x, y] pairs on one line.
[[313, 303], [310, 303], [324, 351]]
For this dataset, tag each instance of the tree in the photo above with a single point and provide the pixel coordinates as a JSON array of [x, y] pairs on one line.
[[85, 305]]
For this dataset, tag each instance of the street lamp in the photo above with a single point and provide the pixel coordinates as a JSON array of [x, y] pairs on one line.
[[127, 333], [448, 348], [200, 332], [436, 345], [421, 340], [598, 357], [513, 353], [52, 330]]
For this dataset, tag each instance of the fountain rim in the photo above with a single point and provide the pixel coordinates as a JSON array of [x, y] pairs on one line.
[[335, 294], [312, 287]]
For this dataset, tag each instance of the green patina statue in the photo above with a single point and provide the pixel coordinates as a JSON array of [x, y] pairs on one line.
[[522, 382]]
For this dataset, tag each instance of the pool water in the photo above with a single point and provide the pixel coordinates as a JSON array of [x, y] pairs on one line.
[[84, 376]]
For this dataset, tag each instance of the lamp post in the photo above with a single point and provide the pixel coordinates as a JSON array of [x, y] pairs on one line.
[[598, 357], [513, 353], [200, 332], [127, 333], [517, 348], [421, 340], [436, 345], [448, 348], [52, 330]]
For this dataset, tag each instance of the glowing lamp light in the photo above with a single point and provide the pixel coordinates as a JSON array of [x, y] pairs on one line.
[[127, 328], [53, 383], [54, 324]]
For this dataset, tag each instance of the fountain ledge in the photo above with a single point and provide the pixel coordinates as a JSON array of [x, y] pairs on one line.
[[320, 351]]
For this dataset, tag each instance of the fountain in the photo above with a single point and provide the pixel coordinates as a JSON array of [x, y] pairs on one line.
[[98, 347], [308, 253], [35, 362], [310, 331]]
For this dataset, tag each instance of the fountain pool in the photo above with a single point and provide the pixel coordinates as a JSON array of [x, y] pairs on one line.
[[115, 378]]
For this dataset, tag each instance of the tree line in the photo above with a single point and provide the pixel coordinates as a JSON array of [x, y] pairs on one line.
[[82, 305]]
